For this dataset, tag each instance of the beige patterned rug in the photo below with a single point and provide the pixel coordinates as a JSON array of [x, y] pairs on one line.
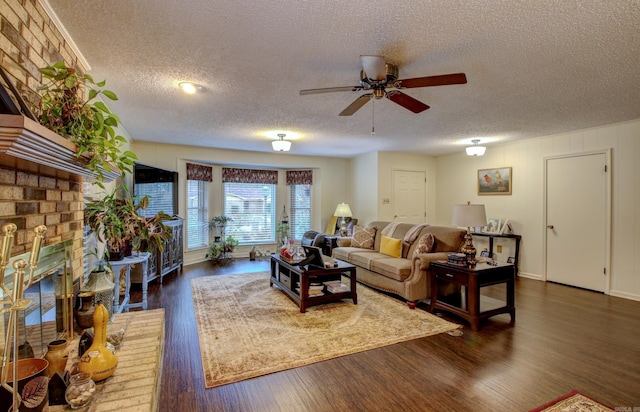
[[573, 401], [247, 329]]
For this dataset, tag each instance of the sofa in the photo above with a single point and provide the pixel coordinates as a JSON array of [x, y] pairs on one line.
[[401, 269]]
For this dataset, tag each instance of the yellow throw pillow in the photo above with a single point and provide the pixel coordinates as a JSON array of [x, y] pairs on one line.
[[390, 246]]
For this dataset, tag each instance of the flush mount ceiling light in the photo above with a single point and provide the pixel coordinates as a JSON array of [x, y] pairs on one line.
[[281, 145], [190, 88], [475, 150]]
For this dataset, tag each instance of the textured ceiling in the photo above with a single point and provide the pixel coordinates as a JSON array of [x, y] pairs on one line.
[[534, 68]]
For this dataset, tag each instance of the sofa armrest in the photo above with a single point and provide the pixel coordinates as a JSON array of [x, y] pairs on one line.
[[343, 241], [427, 258]]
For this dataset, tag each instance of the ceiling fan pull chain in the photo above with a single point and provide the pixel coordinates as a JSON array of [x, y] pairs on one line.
[[373, 117]]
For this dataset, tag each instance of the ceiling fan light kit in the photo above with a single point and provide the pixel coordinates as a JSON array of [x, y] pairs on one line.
[[475, 150], [377, 75], [281, 145]]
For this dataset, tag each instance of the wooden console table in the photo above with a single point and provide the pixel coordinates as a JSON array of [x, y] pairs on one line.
[[492, 236], [472, 279]]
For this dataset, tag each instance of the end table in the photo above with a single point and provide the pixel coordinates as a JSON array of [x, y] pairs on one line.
[[472, 279]]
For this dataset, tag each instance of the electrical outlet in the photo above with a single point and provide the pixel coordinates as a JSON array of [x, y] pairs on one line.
[[499, 248]]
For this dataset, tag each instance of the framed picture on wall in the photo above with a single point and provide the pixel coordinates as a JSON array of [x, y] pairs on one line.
[[494, 181]]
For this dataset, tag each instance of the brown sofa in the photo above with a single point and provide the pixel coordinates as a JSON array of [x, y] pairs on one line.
[[406, 276]]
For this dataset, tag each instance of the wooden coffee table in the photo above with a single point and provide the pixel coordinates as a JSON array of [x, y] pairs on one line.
[[287, 276]]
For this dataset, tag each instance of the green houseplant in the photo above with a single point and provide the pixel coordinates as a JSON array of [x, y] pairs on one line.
[[69, 107], [116, 222]]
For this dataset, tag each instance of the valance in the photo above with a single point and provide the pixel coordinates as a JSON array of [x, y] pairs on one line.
[[199, 172], [299, 177], [232, 175]]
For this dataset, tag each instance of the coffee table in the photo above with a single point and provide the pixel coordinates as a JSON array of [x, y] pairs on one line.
[[287, 276]]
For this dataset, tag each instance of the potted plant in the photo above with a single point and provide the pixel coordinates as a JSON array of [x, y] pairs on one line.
[[116, 222], [69, 107], [221, 250], [218, 224]]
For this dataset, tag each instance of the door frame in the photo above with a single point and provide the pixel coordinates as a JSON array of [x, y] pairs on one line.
[[608, 180]]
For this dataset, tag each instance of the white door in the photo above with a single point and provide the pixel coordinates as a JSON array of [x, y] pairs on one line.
[[577, 222], [409, 196]]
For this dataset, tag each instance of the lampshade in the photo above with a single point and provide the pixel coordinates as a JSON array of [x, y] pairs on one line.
[[343, 210], [281, 145], [475, 150], [468, 215]]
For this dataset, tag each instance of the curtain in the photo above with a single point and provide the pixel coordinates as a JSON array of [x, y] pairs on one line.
[[299, 177], [232, 175], [199, 172]]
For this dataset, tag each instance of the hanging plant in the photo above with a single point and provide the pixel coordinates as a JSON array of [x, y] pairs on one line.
[[69, 107]]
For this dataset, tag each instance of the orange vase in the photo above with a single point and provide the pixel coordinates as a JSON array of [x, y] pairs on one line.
[[98, 360]]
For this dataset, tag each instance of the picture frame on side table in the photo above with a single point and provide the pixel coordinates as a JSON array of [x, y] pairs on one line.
[[496, 181], [505, 229], [511, 259], [493, 225]]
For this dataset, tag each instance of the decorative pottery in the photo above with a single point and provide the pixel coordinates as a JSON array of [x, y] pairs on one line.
[[98, 360], [32, 386], [80, 390], [84, 314], [57, 355]]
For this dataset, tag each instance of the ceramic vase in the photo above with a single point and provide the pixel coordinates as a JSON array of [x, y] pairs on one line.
[[32, 386], [84, 314], [57, 355], [99, 361]]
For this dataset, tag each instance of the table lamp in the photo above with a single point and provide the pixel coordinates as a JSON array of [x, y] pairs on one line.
[[468, 215], [343, 210]]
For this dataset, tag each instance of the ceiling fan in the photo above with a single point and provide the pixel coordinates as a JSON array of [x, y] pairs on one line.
[[377, 76]]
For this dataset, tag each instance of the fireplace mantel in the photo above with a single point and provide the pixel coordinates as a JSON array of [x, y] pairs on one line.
[[27, 145]]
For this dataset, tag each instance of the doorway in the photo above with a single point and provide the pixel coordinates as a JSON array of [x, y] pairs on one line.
[[577, 218], [409, 196]]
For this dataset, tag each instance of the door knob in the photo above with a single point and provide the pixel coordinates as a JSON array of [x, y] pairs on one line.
[[549, 226]]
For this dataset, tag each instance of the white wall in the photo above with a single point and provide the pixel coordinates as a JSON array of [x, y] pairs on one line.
[[331, 184], [456, 183]]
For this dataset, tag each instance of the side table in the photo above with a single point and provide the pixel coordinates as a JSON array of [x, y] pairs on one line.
[[330, 242], [472, 279], [116, 266]]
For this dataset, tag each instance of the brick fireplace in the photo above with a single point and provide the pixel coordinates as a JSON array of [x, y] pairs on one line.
[[41, 182]]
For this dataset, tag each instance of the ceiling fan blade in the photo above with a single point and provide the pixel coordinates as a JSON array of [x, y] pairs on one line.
[[442, 80], [331, 90], [356, 105], [373, 67], [406, 101]]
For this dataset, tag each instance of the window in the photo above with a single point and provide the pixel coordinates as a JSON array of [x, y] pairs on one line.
[[197, 213], [251, 207], [300, 210], [198, 178]]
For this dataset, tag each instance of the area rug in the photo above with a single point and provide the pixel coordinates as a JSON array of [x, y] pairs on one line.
[[248, 329], [573, 401]]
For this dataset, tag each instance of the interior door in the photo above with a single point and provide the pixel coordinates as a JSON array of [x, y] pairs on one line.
[[577, 221], [409, 196]]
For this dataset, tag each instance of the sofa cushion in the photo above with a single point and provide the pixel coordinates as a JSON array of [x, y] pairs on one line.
[[394, 268], [364, 258], [425, 244], [364, 237], [390, 246], [344, 253]]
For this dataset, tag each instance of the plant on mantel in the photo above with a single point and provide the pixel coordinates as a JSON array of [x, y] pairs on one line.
[[70, 107]]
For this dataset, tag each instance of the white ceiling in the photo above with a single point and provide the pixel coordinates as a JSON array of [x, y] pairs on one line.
[[534, 68]]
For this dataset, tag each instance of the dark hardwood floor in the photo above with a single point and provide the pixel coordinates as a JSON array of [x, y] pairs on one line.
[[563, 338]]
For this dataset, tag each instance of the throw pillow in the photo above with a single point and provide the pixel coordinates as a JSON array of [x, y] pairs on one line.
[[426, 244], [390, 246], [364, 237]]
